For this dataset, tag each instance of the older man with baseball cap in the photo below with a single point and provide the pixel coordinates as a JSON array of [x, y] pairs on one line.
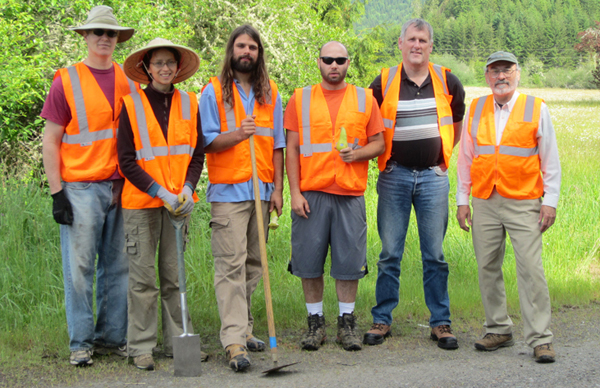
[[80, 157], [506, 142]]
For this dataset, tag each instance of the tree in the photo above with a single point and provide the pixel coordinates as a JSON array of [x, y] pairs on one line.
[[590, 43]]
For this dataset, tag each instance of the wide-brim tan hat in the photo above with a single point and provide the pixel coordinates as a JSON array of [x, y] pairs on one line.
[[102, 17], [188, 64]]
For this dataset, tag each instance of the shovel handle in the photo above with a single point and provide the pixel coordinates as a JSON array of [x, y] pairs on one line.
[[178, 223], [263, 253]]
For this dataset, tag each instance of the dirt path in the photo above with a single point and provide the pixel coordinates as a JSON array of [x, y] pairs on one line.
[[410, 360]]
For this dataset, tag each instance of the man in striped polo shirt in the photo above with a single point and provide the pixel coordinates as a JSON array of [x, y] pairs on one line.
[[422, 105]]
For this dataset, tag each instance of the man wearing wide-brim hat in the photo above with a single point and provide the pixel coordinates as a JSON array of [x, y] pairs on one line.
[[508, 161], [157, 182], [80, 158]]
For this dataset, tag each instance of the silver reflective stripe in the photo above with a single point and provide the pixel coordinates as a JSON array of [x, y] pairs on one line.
[[264, 131], [447, 120], [156, 151], [391, 75], [475, 122], [130, 82], [182, 149], [438, 72], [146, 152], [306, 149], [186, 106], [529, 104], [230, 117], [319, 147], [361, 95], [486, 150], [389, 123], [518, 151]]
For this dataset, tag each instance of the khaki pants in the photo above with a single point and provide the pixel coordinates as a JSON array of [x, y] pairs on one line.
[[235, 247], [144, 228], [492, 218]]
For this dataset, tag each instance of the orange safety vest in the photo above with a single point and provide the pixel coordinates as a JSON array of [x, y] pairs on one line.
[[234, 164], [513, 166], [88, 151], [391, 94], [320, 163], [166, 161]]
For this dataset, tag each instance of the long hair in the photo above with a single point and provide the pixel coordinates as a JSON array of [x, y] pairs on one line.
[[259, 77]]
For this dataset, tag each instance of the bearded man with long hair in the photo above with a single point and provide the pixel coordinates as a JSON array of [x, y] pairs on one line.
[[240, 103]]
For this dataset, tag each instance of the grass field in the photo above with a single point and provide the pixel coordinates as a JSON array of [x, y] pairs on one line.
[[32, 317]]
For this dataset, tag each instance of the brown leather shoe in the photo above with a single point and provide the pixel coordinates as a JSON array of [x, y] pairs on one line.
[[444, 337], [544, 353], [377, 333], [493, 341]]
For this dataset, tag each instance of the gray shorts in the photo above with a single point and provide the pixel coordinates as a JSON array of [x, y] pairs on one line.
[[336, 220]]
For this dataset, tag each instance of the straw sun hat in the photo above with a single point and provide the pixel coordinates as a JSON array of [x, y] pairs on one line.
[[102, 17], [188, 64]]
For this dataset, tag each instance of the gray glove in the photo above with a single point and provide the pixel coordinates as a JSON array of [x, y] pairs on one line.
[[170, 200], [188, 201]]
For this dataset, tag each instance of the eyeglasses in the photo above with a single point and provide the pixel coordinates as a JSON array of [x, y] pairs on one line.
[[495, 73], [159, 65], [109, 33], [338, 60]]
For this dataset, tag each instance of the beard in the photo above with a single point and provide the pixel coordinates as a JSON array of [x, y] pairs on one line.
[[244, 67], [335, 81]]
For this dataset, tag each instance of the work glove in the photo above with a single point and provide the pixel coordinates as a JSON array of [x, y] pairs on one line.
[[171, 201], [187, 201], [61, 208]]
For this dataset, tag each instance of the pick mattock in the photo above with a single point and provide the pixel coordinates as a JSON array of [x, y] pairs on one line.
[[264, 263], [186, 347]]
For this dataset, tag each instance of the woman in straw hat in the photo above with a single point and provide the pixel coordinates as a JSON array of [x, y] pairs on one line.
[[161, 156]]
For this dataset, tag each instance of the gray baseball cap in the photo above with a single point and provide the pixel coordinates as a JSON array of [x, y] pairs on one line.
[[502, 56]]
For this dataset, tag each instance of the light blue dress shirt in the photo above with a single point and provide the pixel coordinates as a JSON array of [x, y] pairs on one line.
[[211, 128]]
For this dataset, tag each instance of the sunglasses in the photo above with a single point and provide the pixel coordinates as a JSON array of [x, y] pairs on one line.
[[109, 33], [338, 60]]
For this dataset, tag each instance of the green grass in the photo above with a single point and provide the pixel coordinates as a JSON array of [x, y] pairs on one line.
[[32, 317]]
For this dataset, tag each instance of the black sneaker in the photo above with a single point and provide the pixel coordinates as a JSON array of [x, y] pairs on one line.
[[315, 336], [346, 332]]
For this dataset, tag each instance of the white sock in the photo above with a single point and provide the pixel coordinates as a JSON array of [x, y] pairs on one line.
[[315, 308], [346, 308]]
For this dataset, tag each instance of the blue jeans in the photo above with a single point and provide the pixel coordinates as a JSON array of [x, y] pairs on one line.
[[427, 190], [97, 230]]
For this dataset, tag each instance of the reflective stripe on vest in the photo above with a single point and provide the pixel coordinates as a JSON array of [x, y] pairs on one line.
[[147, 152], [504, 150], [230, 116], [308, 148], [85, 137]]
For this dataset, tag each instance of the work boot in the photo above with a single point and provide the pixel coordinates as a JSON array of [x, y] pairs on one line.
[[81, 357], [238, 357], [544, 353], [254, 344], [377, 333], [144, 362], [346, 334], [315, 336], [493, 341], [444, 337]]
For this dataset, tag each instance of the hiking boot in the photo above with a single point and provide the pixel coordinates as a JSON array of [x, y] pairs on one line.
[[254, 344], [81, 357], [144, 362], [544, 353], [346, 332], [377, 333], [102, 350], [315, 336], [238, 357], [493, 341], [444, 337]]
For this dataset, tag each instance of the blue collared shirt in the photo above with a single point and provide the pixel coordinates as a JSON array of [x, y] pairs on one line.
[[211, 128]]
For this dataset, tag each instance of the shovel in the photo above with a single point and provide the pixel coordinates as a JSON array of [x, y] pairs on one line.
[[186, 347], [264, 263]]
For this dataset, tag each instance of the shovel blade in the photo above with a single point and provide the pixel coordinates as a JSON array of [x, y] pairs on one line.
[[279, 367], [186, 355]]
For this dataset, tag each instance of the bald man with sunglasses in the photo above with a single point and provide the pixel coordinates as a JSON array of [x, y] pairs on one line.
[[80, 158], [333, 130]]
